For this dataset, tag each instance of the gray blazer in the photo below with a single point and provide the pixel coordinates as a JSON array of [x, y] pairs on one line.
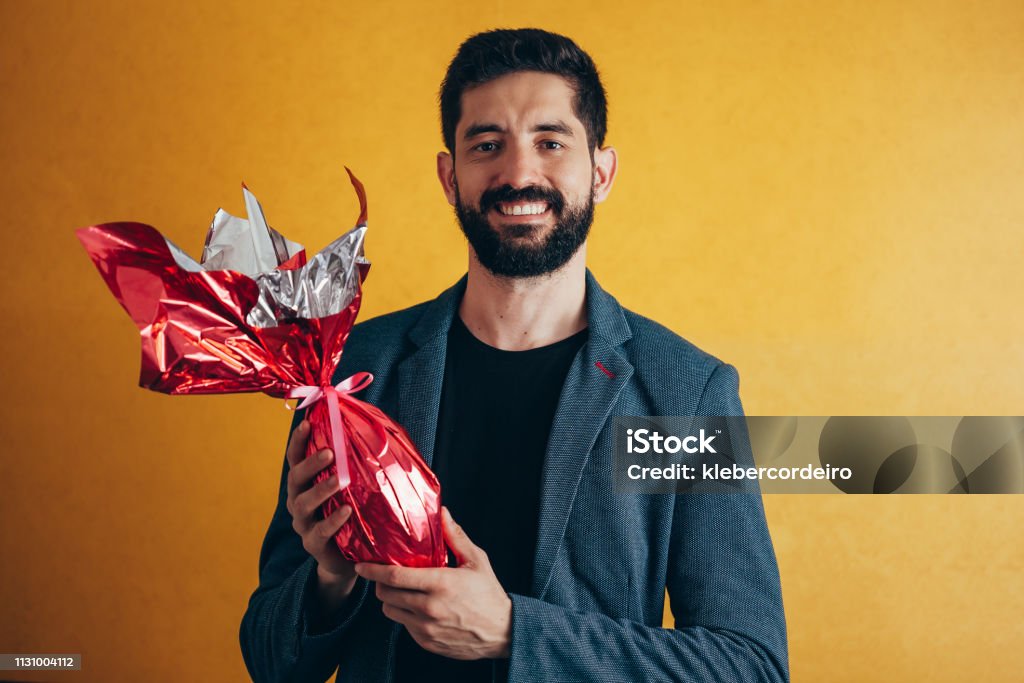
[[603, 560]]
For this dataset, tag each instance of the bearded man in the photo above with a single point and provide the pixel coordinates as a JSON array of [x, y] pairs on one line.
[[507, 383]]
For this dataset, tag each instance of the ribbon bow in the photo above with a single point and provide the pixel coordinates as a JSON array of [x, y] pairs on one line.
[[334, 394]]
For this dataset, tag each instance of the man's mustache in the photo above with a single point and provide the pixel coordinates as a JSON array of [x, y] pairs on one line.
[[531, 193]]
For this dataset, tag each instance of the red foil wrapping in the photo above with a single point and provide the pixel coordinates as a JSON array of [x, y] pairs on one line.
[[199, 336]]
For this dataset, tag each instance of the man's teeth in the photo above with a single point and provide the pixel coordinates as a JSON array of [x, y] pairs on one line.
[[523, 209]]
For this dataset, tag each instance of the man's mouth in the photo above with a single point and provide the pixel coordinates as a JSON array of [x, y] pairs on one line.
[[521, 208]]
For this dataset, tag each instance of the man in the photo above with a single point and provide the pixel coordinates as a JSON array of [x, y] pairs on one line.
[[507, 384]]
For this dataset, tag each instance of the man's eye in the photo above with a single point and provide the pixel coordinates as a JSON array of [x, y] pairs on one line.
[[552, 144], [486, 147]]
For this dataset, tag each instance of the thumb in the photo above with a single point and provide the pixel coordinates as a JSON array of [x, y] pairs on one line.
[[466, 552]]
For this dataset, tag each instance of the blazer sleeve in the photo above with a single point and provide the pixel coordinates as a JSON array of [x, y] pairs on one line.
[[278, 640], [723, 584]]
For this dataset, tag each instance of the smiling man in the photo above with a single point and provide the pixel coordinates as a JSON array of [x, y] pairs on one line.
[[528, 175], [507, 383]]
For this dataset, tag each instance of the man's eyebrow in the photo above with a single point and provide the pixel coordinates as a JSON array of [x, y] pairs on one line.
[[480, 129], [560, 127]]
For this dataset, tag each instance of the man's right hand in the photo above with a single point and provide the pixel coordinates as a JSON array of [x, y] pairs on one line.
[[336, 575]]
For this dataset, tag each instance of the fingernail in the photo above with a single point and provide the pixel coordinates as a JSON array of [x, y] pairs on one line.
[[324, 456]]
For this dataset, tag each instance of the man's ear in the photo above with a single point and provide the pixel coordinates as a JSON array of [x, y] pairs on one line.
[[606, 164], [446, 174]]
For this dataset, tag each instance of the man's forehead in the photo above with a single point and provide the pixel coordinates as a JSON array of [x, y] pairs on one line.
[[522, 100]]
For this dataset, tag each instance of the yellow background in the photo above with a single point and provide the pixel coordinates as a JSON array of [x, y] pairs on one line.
[[826, 194]]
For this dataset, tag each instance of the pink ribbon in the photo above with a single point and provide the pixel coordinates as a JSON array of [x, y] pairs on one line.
[[341, 391]]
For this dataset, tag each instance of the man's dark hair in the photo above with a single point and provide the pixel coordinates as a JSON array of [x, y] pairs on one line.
[[492, 54]]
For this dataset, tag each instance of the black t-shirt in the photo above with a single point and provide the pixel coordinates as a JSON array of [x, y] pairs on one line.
[[492, 432]]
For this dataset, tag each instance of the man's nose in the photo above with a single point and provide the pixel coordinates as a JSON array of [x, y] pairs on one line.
[[521, 167]]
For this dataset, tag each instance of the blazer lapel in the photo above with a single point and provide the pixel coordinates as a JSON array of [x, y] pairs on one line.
[[595, 379], [421, 375]]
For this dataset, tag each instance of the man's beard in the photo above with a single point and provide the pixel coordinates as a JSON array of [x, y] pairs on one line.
[[510, 251]]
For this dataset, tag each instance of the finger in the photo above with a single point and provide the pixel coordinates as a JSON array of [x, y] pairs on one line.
[[297, 443], [402, 616], [308, 502], [301, 476], [326, 529], [466, 552], [410, 578], [413, 601]]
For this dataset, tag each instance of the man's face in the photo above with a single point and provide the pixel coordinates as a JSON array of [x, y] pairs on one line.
[[523, 178]]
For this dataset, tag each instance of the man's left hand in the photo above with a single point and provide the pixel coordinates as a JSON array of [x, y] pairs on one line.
[[459, 612]]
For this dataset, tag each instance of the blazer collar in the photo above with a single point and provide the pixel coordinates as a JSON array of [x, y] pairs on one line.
[[605, 318], [439, 314]]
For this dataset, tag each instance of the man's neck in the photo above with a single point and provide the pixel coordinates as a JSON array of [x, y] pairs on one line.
[[517, 314]]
